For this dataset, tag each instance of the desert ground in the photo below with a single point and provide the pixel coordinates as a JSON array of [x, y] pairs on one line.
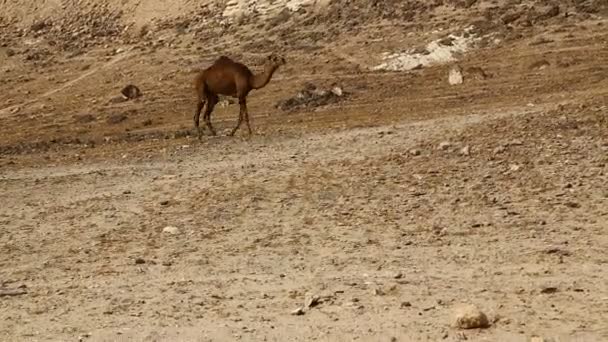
[[377, 196]]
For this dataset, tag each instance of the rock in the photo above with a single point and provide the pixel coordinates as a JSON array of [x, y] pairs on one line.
[[466, 151], [444, 145], [164, 202], [171, 230], [311, 300], [515, 167], [337, 91], [455, 77], [548, 289], [139, 261], [470, 317], [415, 152], [398, 275], [131, 92], [116, 118], [298, 312], [406, 304], [117, 99]]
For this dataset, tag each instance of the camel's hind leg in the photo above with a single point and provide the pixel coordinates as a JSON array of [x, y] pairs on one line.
[[197, 114], [211, 102]]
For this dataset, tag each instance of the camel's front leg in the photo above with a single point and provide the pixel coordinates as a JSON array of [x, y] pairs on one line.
[[242, 111]]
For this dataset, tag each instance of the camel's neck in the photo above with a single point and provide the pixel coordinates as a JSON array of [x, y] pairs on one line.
[[261, 80]]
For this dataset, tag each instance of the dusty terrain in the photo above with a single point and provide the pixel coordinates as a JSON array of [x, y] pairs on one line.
[[390, 205]]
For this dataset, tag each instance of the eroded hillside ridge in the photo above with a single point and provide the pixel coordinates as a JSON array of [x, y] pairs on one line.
[[68, 20]]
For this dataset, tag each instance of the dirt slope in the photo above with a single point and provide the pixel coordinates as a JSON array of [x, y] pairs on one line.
[[393, 202]]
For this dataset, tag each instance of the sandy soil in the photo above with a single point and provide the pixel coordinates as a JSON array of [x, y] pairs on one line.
[[378, 215]]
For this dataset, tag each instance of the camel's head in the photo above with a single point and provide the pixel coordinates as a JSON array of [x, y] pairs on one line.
[[276, 60]]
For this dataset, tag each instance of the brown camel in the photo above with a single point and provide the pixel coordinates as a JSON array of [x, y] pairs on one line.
[[229, 78]]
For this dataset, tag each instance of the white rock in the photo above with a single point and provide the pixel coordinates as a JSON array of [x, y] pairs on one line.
[[455, 77], [311, 300], [337, 91], [444, 145], [298, 312], [466, 151], [171, 230]]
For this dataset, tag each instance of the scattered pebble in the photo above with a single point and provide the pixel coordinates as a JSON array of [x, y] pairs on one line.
[[311, 300], [405, 304], [515, 167], [444, 145], [466, 151], [298, 312], [171, 230], [548, 289], [131, 92], [139, 261]]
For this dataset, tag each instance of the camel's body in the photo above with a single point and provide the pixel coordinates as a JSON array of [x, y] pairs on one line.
[[229, 78]]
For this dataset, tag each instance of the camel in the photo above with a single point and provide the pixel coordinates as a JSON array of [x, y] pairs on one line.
[[229, 78]]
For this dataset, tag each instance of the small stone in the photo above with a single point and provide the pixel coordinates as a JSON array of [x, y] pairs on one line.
[[415, 152], [171, 230], [470, 317], [311, 300], [164, 202], [465, 151], [444, 145], [139, 261], [337, 91], [455, 77], [547, 289], [515, 167], [406, 304], [398, 275], [298, 312], [131, 92]]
